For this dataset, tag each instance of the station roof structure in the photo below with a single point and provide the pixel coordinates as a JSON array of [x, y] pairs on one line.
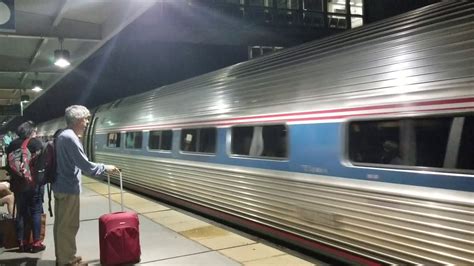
[[27, 47]]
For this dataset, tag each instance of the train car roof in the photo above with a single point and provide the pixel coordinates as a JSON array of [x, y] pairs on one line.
[[423, 54]]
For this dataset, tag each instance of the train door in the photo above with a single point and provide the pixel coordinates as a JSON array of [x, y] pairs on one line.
[[89, 139]]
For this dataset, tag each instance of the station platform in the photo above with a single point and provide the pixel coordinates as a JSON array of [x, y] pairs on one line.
[[168, 236]]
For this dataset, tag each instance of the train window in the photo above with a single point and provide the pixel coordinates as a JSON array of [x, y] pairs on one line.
[[207, 140], [133, 140], [154, 140], [439, 142], [113, 140], [430, 137], [260, 141], [166, 140], [241, 140], [466, 147], [199, 140], [188, 139], [160, 140]]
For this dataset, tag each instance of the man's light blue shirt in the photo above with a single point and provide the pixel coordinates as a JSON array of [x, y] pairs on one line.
[[71, 161]]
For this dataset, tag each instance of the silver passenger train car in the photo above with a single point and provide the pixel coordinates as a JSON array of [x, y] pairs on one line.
[[359, 146]]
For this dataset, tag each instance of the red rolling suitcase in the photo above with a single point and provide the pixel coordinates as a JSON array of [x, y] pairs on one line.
[[119, 237]]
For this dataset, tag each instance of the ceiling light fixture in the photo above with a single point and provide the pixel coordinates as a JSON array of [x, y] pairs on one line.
[[37, 85], [25, 98], [61, 56]]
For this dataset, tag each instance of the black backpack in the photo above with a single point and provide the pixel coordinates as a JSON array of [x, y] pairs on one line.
[[45, 167], [45, 164]]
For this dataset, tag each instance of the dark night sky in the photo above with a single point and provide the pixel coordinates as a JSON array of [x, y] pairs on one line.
[[379, 9]]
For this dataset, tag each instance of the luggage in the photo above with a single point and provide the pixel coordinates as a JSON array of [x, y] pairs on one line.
[[119, 235], [8, 231], [8, 236]]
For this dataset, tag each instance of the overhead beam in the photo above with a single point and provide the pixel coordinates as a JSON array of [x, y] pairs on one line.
[[38, 51], [54, 36], [15, 64], [9, 96], [42, 43], [37, 26], [29, 71], [125, 12], [60, 13]]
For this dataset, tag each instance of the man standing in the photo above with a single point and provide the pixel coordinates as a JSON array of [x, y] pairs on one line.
[[71, 161]]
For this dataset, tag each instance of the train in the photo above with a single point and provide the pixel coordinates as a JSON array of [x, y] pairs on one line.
[[358, 146]]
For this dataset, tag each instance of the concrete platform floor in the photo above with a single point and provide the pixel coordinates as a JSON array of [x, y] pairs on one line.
[[167, 236]]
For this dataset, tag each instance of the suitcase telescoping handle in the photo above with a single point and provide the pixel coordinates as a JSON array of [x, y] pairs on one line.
[[121, 191]]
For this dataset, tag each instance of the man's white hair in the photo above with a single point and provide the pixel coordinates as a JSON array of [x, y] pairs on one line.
[[74, 113]]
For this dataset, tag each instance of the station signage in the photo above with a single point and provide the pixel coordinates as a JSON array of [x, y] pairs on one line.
[[7, 15]]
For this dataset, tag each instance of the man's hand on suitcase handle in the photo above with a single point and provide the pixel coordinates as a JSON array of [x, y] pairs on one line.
[[110, 169]]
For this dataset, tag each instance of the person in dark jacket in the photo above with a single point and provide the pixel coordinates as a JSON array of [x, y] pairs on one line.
[[29, 199]]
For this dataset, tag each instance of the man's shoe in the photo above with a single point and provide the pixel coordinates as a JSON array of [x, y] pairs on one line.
[[79, 263], [77, 259]]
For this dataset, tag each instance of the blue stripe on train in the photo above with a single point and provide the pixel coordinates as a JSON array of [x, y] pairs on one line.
[[313, 149]]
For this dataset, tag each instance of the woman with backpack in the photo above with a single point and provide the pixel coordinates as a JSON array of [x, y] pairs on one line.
[[28, 195]]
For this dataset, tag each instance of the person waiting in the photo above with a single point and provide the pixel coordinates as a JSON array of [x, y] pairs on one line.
[[29, 199]]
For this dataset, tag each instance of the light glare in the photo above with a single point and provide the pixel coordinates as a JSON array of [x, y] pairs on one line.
[[37, 89], [61, 62]]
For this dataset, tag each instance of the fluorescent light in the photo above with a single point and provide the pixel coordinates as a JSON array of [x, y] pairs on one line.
[[37, 85], [25, 98], [61, 62], [61, 58]]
